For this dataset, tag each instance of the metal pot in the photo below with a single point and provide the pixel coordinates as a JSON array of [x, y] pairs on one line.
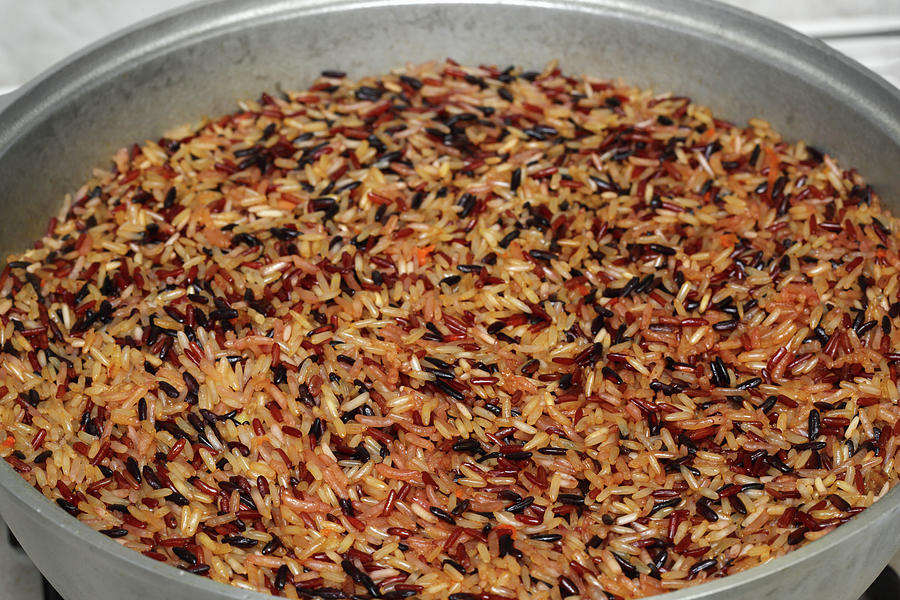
[[199, 61]]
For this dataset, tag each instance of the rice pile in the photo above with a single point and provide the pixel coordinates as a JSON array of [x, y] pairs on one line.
[[459, 332]]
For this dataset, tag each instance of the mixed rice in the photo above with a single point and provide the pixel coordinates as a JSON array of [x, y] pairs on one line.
[[459, 332]]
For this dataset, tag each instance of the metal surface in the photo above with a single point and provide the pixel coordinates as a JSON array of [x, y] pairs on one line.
[[199, 61], [6, 99]]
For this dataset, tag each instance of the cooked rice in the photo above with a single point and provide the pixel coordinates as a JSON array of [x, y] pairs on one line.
[[459, 332]]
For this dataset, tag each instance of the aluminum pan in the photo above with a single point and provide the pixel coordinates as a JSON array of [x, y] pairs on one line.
[[169, 71]]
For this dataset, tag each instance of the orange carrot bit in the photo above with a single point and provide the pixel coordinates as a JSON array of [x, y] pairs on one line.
[[424, 253], [9, 442], [727, 240]]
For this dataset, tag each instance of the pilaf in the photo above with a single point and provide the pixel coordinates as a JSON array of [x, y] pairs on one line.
[[459, 332]]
